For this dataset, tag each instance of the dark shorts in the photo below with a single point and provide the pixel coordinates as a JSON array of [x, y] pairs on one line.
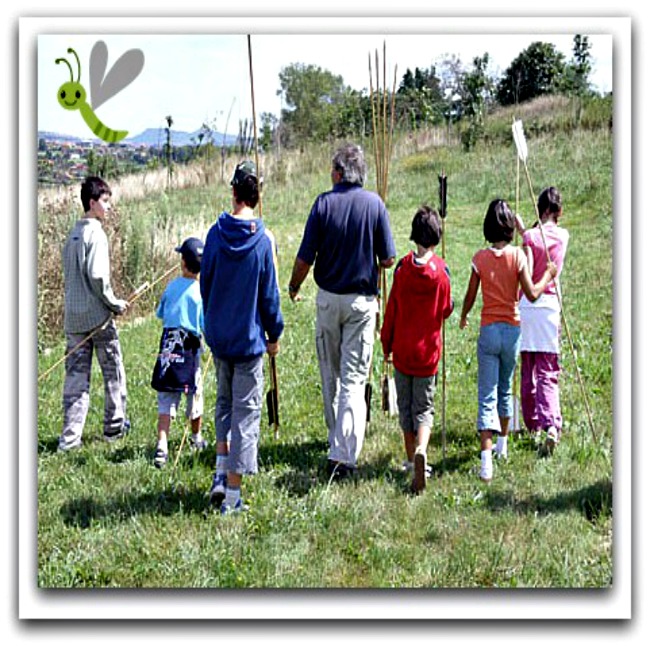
[[415, 400]]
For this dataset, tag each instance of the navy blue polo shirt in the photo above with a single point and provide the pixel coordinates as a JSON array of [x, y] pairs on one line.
[[347, 233]]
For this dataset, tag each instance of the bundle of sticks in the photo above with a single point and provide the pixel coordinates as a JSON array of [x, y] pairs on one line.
[[383, 123]]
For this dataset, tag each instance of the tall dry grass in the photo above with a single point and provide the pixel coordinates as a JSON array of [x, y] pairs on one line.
[[151, 216]]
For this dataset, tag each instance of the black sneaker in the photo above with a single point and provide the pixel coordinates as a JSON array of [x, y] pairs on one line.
[[199, 443], [113, 436], [160, 458], [339, 471], [419, 472]]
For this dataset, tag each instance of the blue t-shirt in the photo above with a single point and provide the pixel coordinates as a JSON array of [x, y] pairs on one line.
[[347, 232], [181, 306]]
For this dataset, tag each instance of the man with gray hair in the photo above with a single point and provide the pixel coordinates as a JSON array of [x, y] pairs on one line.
[[347, 237]]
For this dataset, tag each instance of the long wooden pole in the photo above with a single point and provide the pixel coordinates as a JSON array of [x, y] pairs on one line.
[[272, 362], [185, 427], [515, 389], [257, 161], [132, 298], [442, 187]]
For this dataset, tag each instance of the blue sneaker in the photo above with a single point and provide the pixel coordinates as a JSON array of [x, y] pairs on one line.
[[218, 490], [231, 510]]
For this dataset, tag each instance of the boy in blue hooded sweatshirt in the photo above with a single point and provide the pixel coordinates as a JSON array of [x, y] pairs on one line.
[[241, 304]]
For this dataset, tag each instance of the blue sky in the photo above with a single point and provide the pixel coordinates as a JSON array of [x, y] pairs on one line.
[[199, 78]]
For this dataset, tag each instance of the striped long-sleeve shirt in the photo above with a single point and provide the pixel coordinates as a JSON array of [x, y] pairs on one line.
[[89, 298]]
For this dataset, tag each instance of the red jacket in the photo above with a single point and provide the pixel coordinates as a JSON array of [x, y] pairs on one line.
[[419, 300]]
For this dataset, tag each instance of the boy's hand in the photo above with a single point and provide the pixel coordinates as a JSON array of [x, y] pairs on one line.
[[272, 348], [463, 322], [123, 305]]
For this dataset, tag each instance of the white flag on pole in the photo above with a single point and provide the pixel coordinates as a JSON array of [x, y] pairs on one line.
[[520, 140]]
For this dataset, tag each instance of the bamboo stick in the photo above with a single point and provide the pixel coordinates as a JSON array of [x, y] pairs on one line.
[[131, 299]]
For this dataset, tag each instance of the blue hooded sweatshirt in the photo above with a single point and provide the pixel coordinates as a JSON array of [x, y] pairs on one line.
[[241, 300]]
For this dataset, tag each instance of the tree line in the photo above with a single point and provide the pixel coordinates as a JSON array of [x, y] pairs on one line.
[[318, 106]]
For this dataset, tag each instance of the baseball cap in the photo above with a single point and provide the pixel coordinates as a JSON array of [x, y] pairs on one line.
[[244, 170], [191, 249]]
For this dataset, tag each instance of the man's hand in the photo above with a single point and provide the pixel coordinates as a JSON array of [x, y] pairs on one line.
[[272, 349], [294, 295]]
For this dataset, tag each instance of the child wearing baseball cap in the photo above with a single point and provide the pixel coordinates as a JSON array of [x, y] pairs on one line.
[[177, 371]]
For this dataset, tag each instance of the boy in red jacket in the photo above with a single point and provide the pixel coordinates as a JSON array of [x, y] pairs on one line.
[[419, 301]]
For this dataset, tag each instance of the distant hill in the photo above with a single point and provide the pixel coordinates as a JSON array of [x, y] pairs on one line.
[[59, 137], [157, 138], [149, 137]]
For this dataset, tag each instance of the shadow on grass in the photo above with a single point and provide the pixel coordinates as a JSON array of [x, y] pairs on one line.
[[302, 454], [308, 466], [592, 501], [50, 446], [453, 462], [81, 513]]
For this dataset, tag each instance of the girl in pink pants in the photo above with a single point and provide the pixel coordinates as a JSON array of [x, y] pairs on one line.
[[540, 323]]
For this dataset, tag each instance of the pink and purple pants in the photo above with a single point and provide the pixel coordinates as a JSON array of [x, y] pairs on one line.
[[540, 390]]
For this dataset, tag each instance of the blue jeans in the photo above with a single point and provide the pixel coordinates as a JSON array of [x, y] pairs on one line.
[[498, 348]]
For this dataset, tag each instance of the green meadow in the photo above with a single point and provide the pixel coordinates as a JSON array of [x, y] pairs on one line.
[[108, 518]]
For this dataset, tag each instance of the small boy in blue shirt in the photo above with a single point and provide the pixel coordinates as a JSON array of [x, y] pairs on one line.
[[177, 371]]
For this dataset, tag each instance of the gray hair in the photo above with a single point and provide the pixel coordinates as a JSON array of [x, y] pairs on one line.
[[349, 161]]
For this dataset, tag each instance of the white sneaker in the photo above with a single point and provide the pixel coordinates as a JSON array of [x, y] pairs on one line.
[[486, 466], [500, 450]]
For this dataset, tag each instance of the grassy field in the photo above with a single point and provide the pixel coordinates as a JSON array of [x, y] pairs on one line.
[[107, 517]]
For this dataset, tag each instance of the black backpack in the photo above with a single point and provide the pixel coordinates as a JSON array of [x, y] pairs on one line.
[[177, 362]]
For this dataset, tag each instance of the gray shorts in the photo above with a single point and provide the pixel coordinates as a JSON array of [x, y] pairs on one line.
[[168, 403], [237, 415], [414, 400]]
